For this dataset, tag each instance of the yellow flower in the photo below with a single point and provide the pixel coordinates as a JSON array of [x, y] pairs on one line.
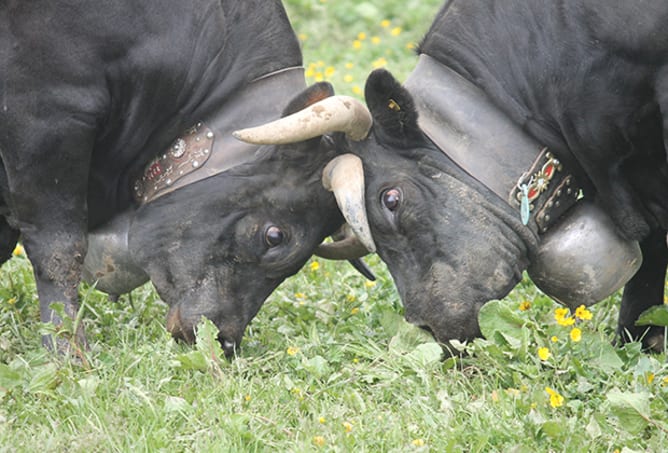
[[411, 45], [357, 44], [348, 426], [18, 250], [576, 334], [582, 313], [349, 65], [385, 23], [292, 350], [351, 298], [556, 400], [300, 295], [357, 90], [347, 78], [375, 40], [554, 339], [525, 305], [418, 442], [354, 311], [544, 353], [369, 284], [319, 441], [664, 382], [247, 398], [650, 378], [302, 37], [319, 77], [329, 71], [11, 301], [314, 266], [322, 420], [379, 63], [356, 360], [361, 36], [562, 318], [396, 31], [561, 313]]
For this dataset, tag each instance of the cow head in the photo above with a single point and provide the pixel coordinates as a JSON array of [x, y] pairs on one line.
[[452, 242], [448, 243], [219, 246]]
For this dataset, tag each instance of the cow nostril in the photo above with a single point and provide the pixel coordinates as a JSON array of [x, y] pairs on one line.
[[229, 347]]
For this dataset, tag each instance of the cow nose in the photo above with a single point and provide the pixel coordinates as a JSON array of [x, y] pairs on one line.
[[174, 325], [229, 346]]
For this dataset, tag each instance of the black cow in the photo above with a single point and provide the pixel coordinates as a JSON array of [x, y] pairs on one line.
[[118, 116], [521, 104]]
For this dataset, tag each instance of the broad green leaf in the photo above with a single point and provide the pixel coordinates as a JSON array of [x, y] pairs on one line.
[[317, 366], [553, 428], [631, 408], [608, 360], [9, 378], [367, 10], [207, 339], [426, 354], [654, 316], [44, 379], [193, 360], [496, 316]]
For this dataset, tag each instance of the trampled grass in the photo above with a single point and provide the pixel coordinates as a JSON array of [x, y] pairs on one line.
[[329, 364]]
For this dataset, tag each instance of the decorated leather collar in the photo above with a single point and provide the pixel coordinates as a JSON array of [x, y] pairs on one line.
[[463, 123], [208, 148]]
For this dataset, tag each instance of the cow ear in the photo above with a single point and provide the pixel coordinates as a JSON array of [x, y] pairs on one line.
[[392, 108], [311, 95]]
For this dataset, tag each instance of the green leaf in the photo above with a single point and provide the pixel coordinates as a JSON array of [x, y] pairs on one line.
[[9, 378], [426, 354], [44, 380], [654, 316], [207, 339], [193, 360], [631, 408], [608, 360], [317, 366], [367, 11], [553, 428], [496, 316]]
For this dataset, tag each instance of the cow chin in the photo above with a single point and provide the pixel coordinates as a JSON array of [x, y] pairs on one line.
[[183, 328]]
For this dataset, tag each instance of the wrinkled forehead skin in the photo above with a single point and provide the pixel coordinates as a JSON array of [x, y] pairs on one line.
[[206, 246]]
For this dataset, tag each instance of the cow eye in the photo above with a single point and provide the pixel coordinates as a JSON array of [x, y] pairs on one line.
[[273, 236], [392, 199]]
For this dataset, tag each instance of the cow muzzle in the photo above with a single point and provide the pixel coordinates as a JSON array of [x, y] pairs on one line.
[[185, 330], [582, 259]]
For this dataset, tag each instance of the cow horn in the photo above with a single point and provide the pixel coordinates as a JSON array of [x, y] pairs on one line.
[[344, 176], [332, 114], [344, 246]]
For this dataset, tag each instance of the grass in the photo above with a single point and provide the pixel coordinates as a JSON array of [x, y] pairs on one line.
[[329, 364]]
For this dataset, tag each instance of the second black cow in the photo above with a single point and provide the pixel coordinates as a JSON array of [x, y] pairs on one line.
[[514, 110]]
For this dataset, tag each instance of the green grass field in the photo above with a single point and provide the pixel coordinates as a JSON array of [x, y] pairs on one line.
[[329, 364]]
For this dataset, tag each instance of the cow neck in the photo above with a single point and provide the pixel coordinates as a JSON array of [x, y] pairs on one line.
[[466, 126], [208, 147]]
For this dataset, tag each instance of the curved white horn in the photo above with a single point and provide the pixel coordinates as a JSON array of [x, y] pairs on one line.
[[344, 176], [332, 114]]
